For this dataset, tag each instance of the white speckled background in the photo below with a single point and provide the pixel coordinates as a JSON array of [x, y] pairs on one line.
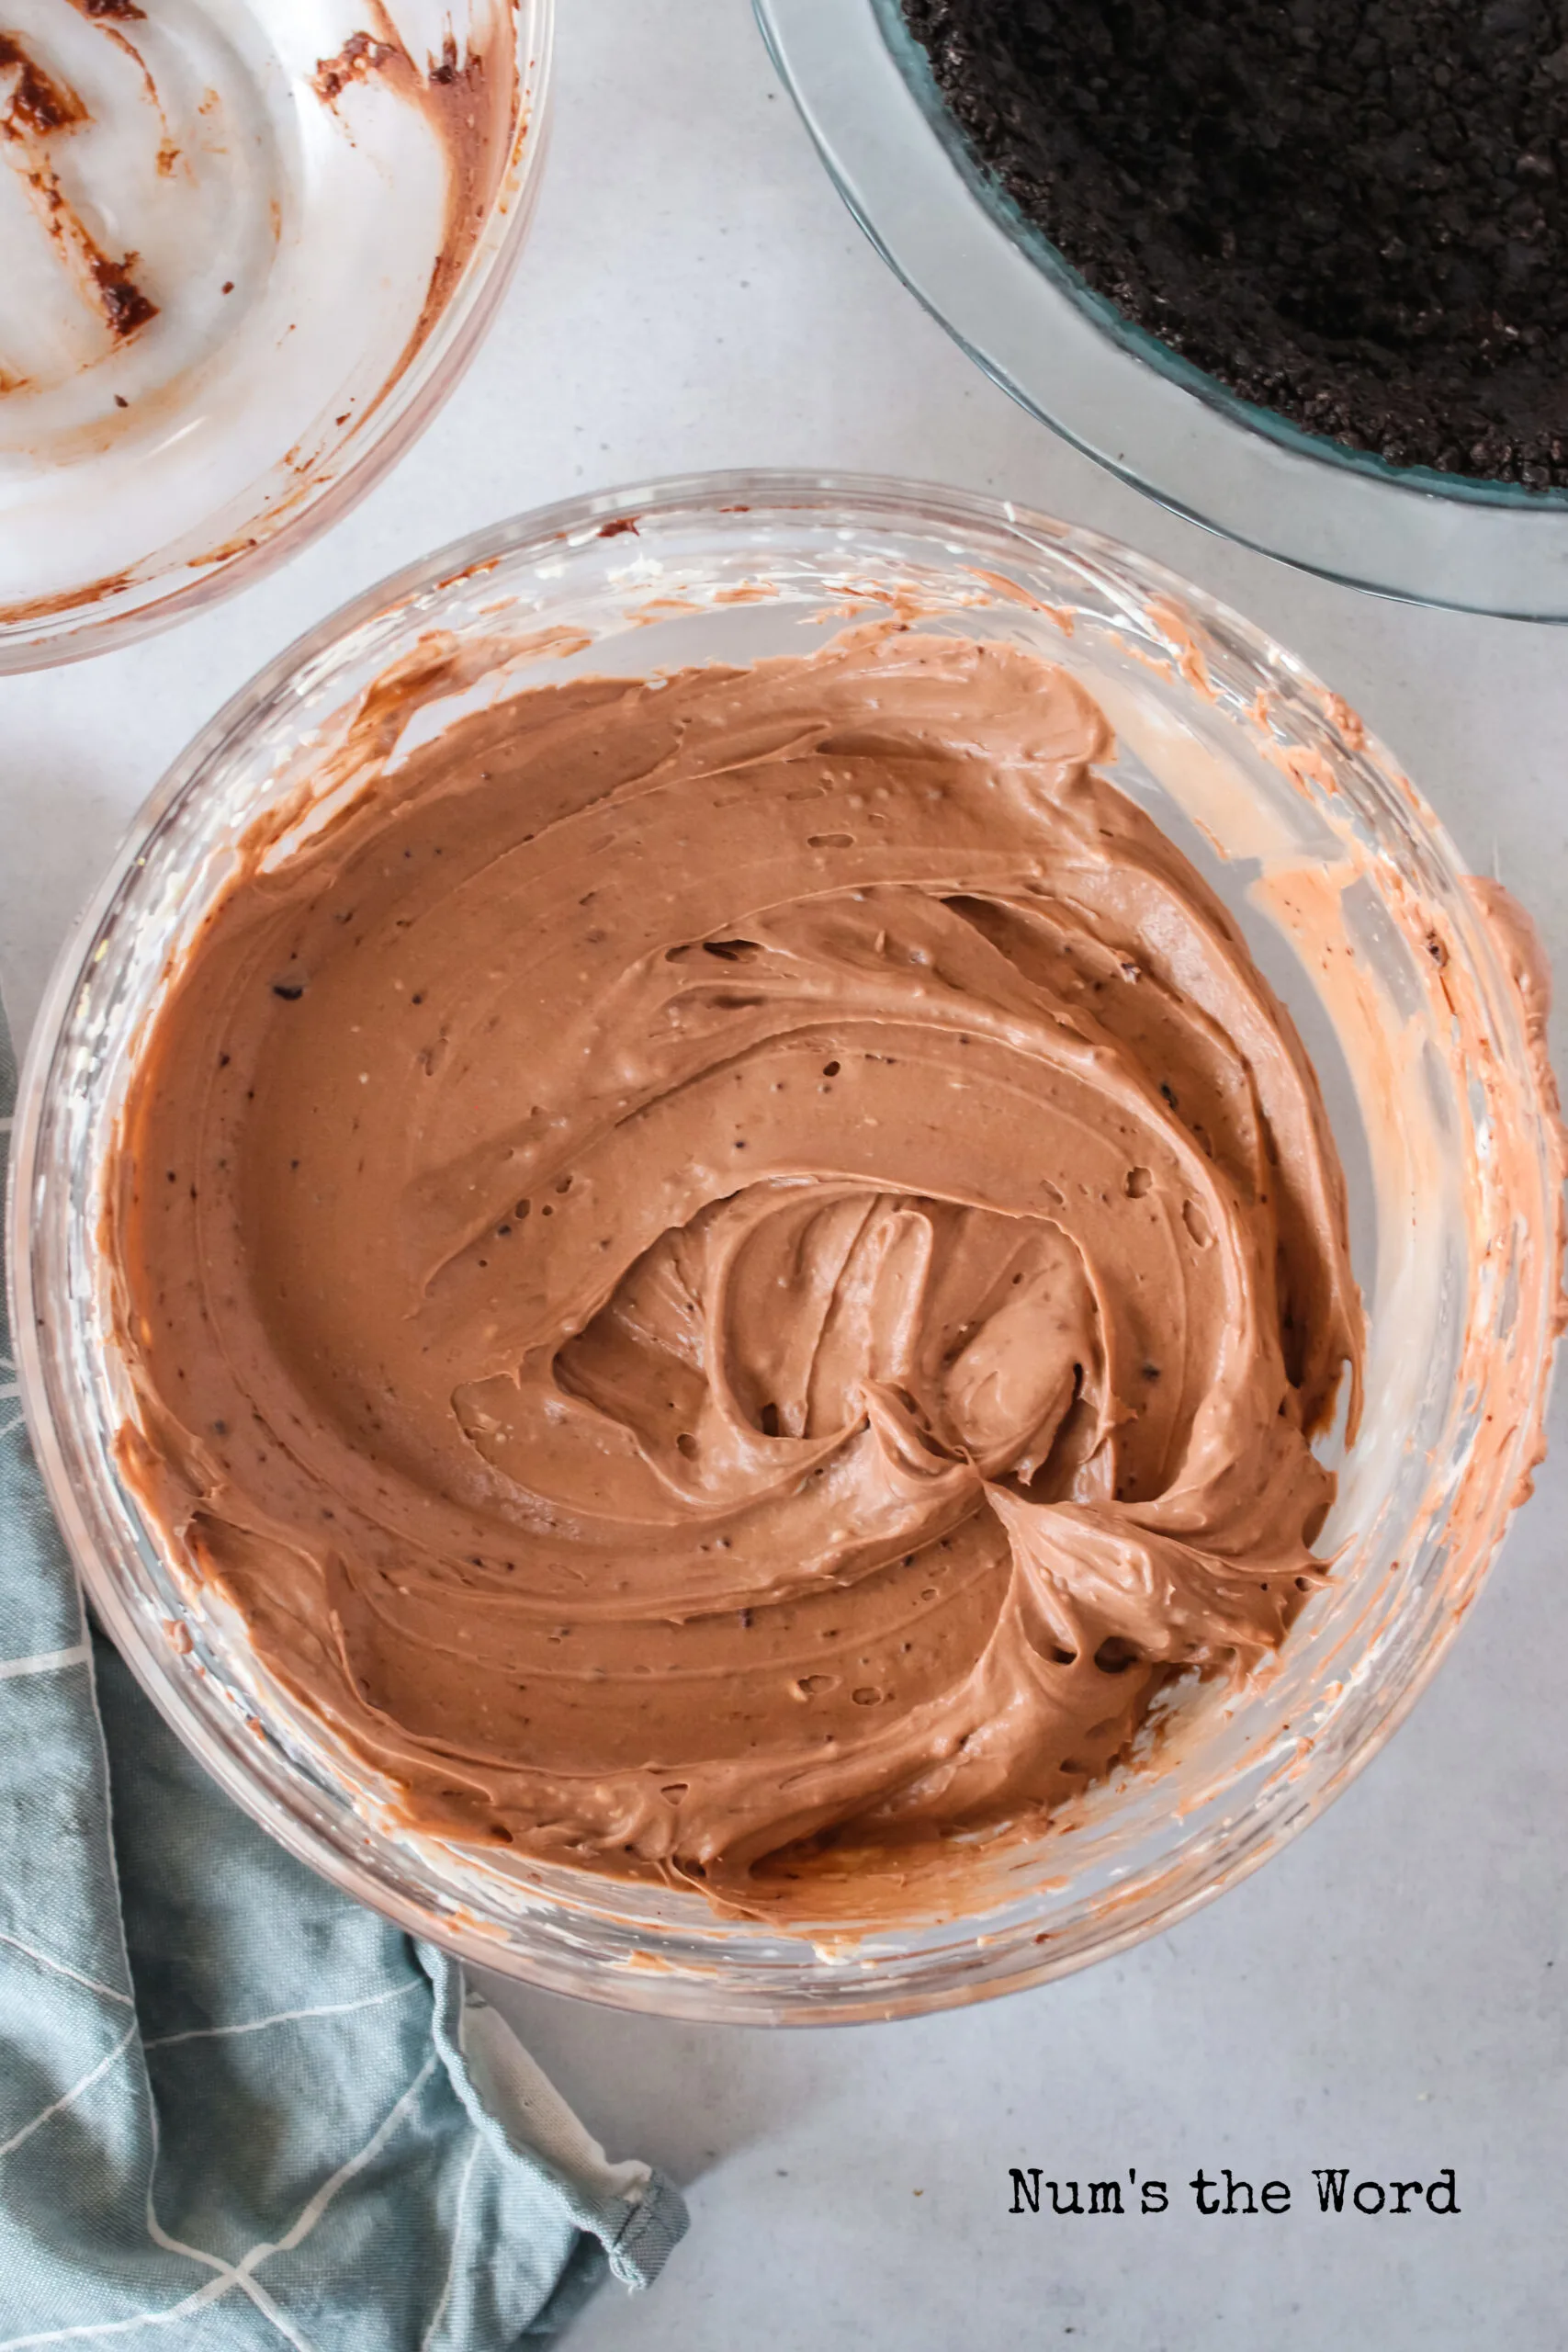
[[1391, 1993]]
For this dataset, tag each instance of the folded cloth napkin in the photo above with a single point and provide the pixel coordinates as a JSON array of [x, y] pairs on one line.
[[235, 2106]]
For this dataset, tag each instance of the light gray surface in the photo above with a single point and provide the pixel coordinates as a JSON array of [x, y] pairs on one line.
[[1390, 1993]]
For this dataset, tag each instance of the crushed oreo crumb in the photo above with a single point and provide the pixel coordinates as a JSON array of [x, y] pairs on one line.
[[1351, 212]]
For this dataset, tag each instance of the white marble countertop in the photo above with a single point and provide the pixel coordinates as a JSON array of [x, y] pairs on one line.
[[1390, 1995]]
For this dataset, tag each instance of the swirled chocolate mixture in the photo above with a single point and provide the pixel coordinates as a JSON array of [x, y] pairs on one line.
[[725, 1262]]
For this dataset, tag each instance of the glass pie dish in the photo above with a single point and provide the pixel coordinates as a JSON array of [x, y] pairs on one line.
[[249, 249], [865, 90], [1356, 905]]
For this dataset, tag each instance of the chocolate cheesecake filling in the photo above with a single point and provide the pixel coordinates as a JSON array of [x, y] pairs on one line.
[[734, 1260]]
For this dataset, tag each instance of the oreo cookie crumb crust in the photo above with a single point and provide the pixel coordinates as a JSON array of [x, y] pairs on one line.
[[1353, 212]]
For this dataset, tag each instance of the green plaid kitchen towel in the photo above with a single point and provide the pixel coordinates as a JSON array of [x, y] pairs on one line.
[[235, 2107]]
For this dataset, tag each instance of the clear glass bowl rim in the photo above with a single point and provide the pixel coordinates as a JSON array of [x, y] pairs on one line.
[[278, 1800]]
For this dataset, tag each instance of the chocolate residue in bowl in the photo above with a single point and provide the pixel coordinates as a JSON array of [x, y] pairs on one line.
[[360, 56], [35, 103], [109, 16], [470, 102], [35, 107], [124, 305]]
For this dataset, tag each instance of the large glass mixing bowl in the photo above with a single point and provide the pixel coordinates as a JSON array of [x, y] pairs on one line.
[[865, 89], [1356, 905]]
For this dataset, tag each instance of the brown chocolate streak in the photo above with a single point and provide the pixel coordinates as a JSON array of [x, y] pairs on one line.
[[470, 107], [108, 15], [38, 103], [124, 306], [64, 600], [37, 109]]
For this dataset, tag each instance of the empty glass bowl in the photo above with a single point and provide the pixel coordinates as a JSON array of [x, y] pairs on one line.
[[865, 89], [249, 247], [1355, 902]]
